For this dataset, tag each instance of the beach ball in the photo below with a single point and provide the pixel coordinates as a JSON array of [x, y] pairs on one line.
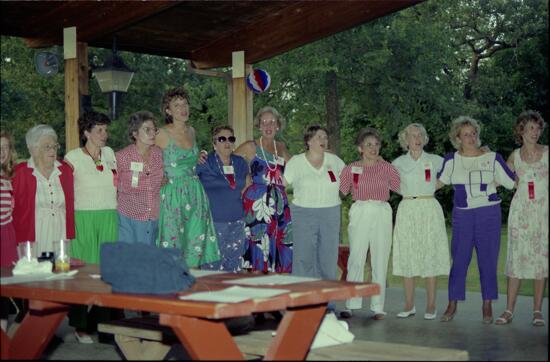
[[258, 81]]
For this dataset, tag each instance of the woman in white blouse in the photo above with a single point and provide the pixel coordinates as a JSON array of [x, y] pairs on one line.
[[420, 245], [43, 192], [315, 177]]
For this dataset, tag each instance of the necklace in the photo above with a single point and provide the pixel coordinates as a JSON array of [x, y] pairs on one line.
[[98, 165], [218, 159], [265, 157]]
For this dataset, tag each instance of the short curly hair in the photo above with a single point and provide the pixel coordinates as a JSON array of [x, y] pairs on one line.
[[404, 133], [136, 120], [311, 131], [88, 121], [274, 112], [524, 118], [457, 125], [367, 132], [177, 92]]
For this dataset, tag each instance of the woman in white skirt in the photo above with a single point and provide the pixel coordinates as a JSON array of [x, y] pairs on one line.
[[420, 244]]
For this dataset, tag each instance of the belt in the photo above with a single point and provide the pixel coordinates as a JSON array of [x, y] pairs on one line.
[[418, 197]]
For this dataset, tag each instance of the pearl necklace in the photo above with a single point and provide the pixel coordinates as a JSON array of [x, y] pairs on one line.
[[218, 159], [265, 157]]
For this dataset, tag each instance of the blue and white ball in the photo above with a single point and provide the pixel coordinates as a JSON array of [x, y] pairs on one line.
[[258, 81]]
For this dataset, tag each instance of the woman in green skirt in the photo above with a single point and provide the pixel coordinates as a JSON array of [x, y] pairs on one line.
[[95, 178], [185, 220]]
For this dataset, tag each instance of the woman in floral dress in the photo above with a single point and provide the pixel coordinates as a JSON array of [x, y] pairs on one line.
[[528, 217], [185, 220], [267, 214]]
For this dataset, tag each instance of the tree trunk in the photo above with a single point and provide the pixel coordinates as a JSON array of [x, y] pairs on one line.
[[472, 74], [333, 111]]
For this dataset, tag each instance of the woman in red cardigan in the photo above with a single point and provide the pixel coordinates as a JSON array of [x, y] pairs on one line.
[[44, 193]]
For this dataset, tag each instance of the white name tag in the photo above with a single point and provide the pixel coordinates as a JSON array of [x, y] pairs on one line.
[[357, 170], [136, 166], [228, 170], [135, 178], [280, 161]]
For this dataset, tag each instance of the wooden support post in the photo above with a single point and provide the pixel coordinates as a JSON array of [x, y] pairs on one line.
[[240, 100], [72, 84]]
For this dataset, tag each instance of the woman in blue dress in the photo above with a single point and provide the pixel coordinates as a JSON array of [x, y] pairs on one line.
[[224, 176], [267, 214]]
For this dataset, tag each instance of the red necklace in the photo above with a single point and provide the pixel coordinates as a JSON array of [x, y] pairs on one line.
[[98, 165]]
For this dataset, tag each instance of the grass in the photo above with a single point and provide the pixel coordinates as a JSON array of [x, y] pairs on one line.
[[472, 279]]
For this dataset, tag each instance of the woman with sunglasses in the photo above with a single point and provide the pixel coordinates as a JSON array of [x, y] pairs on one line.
[[96, 222], [224, 175], [267, 214], [140, 173]]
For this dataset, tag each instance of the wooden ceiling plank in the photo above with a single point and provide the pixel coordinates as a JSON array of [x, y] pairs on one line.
[[294, 26], [109, 17]]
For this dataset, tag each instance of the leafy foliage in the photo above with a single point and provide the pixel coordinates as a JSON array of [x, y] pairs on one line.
[[411, 66]]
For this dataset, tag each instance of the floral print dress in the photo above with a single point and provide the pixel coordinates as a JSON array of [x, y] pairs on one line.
[[528, 221], [185, 220], [267, 217]]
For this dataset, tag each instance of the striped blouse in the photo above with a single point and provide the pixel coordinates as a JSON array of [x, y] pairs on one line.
[[6, 206], [369, 182]]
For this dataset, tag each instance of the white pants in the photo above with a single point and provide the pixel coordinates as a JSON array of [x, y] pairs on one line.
[[370, 226]]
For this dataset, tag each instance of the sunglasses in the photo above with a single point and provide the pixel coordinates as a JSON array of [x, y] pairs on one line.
[[222, 139]]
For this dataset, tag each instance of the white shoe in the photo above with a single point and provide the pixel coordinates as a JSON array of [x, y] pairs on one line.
[[84, 339], [430, 316], [407, 313]]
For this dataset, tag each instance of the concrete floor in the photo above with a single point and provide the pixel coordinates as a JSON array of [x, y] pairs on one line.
[[518, 341]]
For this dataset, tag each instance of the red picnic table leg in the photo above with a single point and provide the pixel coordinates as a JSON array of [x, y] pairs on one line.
[[295, 333], [35, 332], [203, 339]]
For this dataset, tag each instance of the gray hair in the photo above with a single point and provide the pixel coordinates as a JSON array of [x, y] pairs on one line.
[[457, 125], [274, 112], [136, 120], [405, 131], [34, 135]]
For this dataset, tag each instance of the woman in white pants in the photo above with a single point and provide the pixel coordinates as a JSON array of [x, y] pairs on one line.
[[370, 217], [420, 244]]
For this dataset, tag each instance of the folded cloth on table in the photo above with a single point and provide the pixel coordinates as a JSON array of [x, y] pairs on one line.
[[143, 269], [332, 332], [24, 267]]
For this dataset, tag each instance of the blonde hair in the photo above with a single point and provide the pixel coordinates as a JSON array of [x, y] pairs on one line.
[[457, 125], [9, 166], [274, 112], [405, 131]]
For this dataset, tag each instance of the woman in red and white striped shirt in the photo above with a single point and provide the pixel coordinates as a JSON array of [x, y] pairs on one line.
[[8, 250], [370, 217]]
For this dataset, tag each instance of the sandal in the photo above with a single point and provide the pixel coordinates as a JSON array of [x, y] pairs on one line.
[[505, 318], [538, 322]]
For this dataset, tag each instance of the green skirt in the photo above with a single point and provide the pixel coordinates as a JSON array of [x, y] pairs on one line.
[[93, 228]]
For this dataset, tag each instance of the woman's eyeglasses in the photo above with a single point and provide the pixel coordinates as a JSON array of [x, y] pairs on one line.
[[47, 148], [223, 139], [155, 131]]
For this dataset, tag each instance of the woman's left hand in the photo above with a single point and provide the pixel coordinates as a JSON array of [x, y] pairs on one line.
[[203, 155]]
